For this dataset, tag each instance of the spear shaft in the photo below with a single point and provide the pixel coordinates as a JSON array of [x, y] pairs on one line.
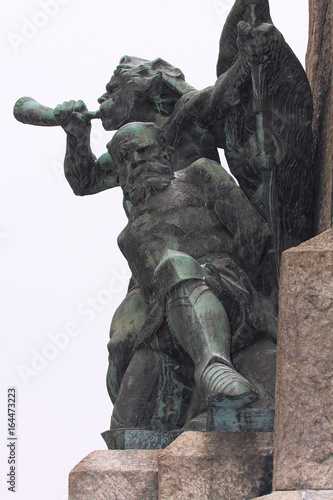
[[264, 139]]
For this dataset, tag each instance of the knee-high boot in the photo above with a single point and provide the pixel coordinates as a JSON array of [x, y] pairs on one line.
[[200, 324]]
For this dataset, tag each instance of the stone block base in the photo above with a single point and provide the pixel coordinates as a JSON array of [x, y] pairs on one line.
[[303, 450], [115, 475], [205, 466], [216, 466]]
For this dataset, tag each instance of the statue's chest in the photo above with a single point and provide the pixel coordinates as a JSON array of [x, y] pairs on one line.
[[167, 213]]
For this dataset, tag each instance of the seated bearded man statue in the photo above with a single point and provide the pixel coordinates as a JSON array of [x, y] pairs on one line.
[[195, 246]]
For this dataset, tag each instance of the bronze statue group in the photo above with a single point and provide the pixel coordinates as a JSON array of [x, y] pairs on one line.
[[203, 249]]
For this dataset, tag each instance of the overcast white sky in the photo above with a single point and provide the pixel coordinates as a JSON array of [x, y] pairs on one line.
[[62, 274]]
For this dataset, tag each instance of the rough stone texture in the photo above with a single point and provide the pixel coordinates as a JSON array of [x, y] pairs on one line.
[[115, 475], [303, 452], [319, 65], [299, 495], [216, 466]]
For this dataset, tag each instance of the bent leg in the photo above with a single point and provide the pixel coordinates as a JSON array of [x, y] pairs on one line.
[[136, 399], [125, 326], [200, 324], [157, 392]]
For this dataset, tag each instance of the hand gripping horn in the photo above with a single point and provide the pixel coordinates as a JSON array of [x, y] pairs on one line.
[[27, 110]]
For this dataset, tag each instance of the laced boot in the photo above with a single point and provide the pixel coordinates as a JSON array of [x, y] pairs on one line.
[[223, 386]]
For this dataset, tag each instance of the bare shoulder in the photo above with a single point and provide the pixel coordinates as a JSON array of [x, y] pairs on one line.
[[205, 171], [106, 164]]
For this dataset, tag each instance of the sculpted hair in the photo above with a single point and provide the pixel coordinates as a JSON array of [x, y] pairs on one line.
[[132, 68], [159, 135]]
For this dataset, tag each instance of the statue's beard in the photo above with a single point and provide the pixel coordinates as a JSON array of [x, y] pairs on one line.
[[147, 180]]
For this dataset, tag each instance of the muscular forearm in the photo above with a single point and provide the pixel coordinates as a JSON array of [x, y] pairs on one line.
[[210, 105], [86, 174], [78, 164]]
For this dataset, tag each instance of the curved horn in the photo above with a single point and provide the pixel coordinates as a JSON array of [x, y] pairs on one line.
[[27, 110]]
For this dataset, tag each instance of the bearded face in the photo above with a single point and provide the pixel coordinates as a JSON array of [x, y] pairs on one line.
[[146, 180], [142, 158]]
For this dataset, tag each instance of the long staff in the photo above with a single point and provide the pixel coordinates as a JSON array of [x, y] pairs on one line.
[[264, 138]]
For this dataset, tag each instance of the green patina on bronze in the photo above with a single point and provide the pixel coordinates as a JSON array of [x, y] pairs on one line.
[[197, 328]]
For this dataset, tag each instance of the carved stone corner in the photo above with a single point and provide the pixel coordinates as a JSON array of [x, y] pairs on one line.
[[115, 475]]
